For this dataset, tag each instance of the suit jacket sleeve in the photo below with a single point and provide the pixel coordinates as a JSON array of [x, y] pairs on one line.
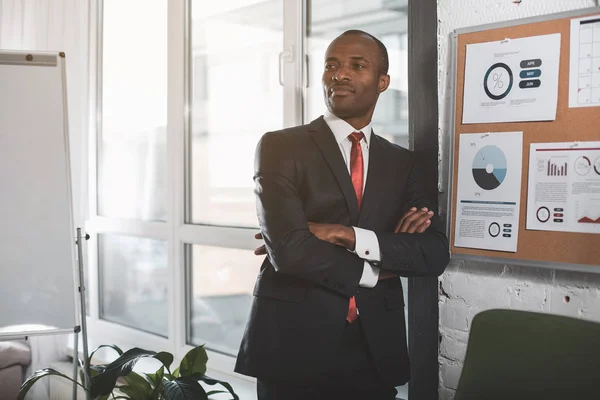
[[415, 254], [291, 247]]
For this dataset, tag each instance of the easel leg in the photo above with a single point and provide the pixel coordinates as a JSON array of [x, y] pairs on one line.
[[75, 364], [86, 366]]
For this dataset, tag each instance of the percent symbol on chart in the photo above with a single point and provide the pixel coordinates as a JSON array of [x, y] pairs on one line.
[[499, 83], [495, 81]]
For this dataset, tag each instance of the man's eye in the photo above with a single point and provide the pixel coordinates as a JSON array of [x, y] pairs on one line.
[[329, 67], [359, 66]]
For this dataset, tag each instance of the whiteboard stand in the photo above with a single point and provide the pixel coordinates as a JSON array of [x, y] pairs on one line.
[[34, 165], [83, 329], [75, 364]]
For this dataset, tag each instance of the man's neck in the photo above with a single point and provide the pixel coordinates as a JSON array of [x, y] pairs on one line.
[[357, 122]]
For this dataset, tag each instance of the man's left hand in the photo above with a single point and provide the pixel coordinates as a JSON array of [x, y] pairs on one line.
[[414, 221], [334, 233], [262, 249]]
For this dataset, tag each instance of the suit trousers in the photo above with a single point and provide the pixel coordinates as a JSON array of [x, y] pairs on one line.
[[352, 376]]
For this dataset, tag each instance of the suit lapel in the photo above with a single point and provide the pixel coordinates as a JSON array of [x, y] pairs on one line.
[[325, 140], [376, 182]]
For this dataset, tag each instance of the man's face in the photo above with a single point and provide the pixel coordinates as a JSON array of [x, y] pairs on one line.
[[351, 79]]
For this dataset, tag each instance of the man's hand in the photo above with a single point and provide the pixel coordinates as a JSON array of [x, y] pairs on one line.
[[334, 233], [414, 221], [260, 250]]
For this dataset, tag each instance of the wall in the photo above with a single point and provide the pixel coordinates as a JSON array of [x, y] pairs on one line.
[[466, 288], [58, 25]]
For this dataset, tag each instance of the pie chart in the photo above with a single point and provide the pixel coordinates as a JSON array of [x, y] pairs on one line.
[[489, 167], [583, 165]]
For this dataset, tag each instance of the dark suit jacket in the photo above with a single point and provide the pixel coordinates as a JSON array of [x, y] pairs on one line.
[[302, 291]]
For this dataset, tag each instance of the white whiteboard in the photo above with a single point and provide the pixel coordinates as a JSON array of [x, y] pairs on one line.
[[37, 238]]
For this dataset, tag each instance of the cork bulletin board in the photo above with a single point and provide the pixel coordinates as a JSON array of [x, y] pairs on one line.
[[555, 249]]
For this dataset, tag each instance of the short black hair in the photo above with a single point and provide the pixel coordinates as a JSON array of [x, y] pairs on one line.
[[384, 61]]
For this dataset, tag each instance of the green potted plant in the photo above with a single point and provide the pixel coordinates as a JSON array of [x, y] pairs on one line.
[[179, 384]]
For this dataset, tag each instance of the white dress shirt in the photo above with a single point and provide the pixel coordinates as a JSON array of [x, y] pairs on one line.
[[367, 245]]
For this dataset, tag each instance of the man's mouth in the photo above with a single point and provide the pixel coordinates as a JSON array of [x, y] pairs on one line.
[[340, 91]]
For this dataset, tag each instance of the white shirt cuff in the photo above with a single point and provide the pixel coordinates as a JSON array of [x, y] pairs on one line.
[[370, 276], [366, 244], [367, 247]]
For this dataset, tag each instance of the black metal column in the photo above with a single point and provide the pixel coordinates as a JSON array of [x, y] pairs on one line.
[[423, 127]]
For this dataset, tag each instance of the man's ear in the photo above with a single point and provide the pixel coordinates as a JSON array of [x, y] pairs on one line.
[[384, 83]]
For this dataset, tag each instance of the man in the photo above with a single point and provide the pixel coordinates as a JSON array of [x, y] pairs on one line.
[[343, 214]]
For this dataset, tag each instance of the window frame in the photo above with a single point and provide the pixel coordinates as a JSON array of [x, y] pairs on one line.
[[179, 234]]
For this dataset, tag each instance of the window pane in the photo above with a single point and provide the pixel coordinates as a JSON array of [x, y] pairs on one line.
[[221, 285], [134, 282], [132, 144], [387, 21], [236, 97]]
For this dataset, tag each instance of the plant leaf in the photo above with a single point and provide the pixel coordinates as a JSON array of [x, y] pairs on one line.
[[215, 392], [105, 382], [152, 377], [211, 381], [158, 383], [96, 370], [194, 362], [110, 346], [184, 388], [140, 384], [160, 374], [165, 358], [176, 372], [135, 379], [134, 392], [37, 375]]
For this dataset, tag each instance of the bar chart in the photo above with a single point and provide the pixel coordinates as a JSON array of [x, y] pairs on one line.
[[557, 167]]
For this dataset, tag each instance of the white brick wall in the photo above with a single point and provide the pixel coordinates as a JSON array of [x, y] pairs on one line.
[[467, 288]]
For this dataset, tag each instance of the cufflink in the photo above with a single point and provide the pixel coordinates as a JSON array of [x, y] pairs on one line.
[[374, 263], [367, 252]]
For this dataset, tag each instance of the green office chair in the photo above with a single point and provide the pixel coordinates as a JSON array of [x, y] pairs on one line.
[[518, 355]]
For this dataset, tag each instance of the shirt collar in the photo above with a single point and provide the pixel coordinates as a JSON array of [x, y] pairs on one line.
[[341, 129]]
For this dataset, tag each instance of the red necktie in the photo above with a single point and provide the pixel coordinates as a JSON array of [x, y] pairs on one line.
[[357, 176]]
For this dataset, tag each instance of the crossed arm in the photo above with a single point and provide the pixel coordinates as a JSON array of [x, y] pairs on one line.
[[413, 221]]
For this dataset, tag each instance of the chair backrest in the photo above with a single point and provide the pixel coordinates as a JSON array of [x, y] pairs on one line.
[[525, 355]]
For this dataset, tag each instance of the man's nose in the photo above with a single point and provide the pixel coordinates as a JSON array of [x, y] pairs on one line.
[[342, 73]]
